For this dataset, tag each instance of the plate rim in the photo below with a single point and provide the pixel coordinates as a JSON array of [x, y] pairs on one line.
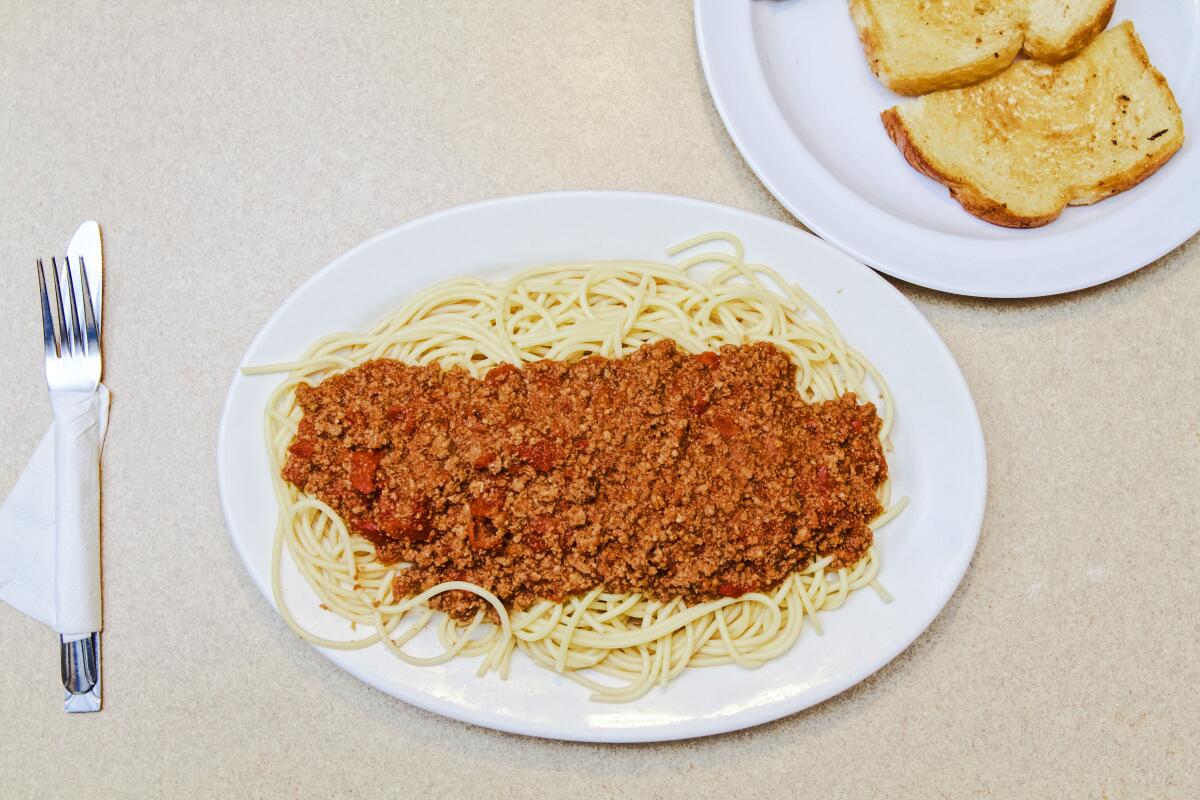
[[733, 20], [694, 728]]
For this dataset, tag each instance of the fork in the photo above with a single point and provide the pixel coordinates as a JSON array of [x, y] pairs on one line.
[[73, 368], [72, 353]]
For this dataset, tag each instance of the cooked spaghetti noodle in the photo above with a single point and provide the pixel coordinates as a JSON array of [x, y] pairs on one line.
[[565, 312]]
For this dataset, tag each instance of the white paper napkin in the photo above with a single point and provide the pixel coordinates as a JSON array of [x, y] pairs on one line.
[[49, 566]]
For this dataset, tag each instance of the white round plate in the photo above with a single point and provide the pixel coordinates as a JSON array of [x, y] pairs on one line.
[[939, 458], [791, 83]]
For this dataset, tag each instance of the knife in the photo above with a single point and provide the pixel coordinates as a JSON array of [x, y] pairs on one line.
[[80, 656], [85, 244]]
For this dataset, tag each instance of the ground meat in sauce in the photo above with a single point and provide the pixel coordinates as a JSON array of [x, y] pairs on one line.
[[664, 473]]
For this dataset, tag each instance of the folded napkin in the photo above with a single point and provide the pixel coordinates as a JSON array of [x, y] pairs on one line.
[[49, 552]]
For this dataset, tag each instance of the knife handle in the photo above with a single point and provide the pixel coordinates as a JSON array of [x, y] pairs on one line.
[[80, 664]]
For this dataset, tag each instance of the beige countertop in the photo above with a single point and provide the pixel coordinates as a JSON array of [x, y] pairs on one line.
[[231, 149]]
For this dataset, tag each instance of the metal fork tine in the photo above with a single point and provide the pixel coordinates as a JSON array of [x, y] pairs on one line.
[[76, 334], [64, 338], [91, 335], [47, 318]]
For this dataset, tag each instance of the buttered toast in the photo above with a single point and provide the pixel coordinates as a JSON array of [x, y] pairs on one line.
[[1018, 147], [920, 46]]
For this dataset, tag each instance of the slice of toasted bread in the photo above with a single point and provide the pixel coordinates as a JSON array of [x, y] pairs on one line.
[[1017, 148], [920, 46]]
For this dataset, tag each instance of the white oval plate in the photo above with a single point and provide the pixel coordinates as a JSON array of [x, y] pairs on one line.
[[792, 85], [939, 458]]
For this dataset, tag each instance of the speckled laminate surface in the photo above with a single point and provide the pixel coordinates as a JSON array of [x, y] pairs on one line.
[[231, 149]]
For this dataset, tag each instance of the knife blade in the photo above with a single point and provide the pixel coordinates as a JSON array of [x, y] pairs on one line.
[[85, 244], [79, 657]]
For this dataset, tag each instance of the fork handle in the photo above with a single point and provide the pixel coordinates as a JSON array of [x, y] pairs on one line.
[[77, 423]]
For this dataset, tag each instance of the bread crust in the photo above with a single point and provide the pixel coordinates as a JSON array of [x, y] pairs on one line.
[[1077, 42], [865, 23]]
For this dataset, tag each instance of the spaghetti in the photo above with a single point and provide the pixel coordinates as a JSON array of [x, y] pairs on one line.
[[565, 312]]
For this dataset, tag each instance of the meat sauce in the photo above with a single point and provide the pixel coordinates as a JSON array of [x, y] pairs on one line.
[[673, 475]]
